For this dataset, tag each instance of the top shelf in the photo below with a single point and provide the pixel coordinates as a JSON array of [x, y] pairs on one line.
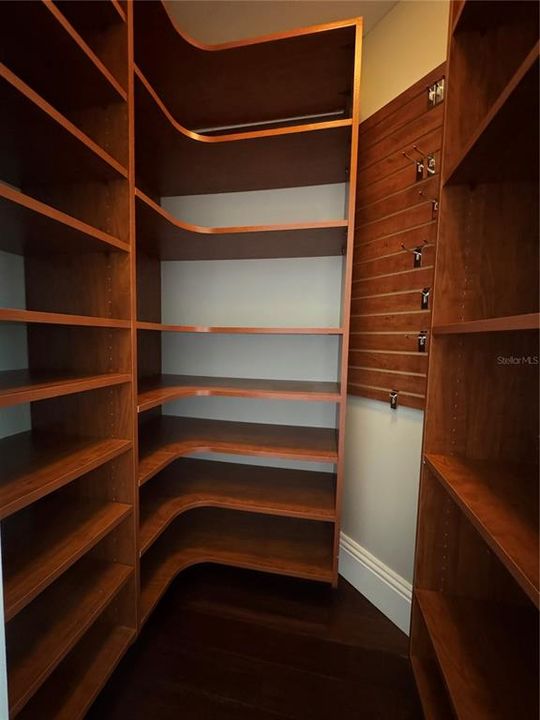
[[268, 79]]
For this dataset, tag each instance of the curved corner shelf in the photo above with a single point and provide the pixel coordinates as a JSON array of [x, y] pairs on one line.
[[191, 484], [23, 386], [40, 637], [306, 72], [166, 438], [32, 226], [165, 388], [284, 546], [35, 464], [67, 155], [31, 568], [161, 234], [308, 154], [232, 330]]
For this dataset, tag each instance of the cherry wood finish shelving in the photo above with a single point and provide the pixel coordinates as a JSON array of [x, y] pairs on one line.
[[476, 590], [282, 111], [253, 134], [67, 476]]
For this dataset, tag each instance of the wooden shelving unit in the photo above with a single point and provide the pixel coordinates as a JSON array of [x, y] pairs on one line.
[[67, 482], [476, 599], [86, 157], [253, 135]]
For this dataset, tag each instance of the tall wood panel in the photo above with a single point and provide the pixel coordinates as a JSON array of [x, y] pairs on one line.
[[474, 641], [397, 199], [67, 491]]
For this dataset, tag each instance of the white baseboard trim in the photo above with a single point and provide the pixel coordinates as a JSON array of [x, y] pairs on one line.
[[388, 591]]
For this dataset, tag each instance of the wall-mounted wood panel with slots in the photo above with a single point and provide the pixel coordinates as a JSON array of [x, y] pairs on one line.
[[397, 198], [67, 490], [474, 642]]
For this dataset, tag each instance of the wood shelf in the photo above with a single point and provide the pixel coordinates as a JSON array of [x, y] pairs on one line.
[[191, 483], [299, 155], [23, 386], [166, 438], [54, 547], [480, 648], [161, 234], [490, 153], [431, 689], [39, 638], [511, 323], [51, 318], [83, 14], [73, 687], [33, 227], [67, 156], [88, 83], [285, 546], [165, 388], [232, 330], [35, 464], [501, 501], [297, 73]]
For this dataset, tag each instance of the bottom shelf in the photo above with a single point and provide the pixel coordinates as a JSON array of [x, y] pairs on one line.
[[285, 546], [487, 655], [74, 685]]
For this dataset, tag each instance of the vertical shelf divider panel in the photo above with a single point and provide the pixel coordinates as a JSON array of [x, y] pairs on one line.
[[67, 481], [474, 634], [280, 138]]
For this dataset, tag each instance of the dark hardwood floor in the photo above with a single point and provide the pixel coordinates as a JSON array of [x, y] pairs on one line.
[[229, 644]]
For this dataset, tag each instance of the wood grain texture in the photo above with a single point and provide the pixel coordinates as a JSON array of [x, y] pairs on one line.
[[299, 548], [488, 493], [162, 235], [71, 689], [21, 386], [395, 215], [472, 669], [165, 388], [39, 637], [35, 464], [52, 547], [308, 154], [32, 226], [232, 330], [166, 438], [303, 72], [190, 483]]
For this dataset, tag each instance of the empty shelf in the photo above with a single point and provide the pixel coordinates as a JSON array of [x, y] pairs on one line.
[[166, 438], [29, 225], [300, 548], [501, 500], [69, 692], [164, 388], [160, 234], [236, 330], [496, 645], [300, 155], [54, 546], [40, 637], [510, 323], [191, 483], [35, 464], [51, 318]]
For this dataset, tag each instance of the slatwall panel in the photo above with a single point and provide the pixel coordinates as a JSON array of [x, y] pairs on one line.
[[396, 213]]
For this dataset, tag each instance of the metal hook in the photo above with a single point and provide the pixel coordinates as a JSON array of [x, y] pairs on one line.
[[420, 152], [409, 157]]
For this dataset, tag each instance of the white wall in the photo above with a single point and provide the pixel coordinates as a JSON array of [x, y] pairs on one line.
[[383, 447]]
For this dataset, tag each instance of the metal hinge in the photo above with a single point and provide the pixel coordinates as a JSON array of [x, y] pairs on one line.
[[436, 93]]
